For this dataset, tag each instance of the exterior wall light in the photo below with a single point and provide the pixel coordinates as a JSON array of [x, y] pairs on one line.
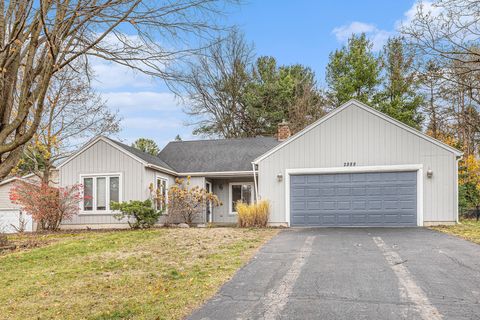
[[279, 177], [429, 173]]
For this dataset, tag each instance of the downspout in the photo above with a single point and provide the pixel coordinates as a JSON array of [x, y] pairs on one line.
[[255, 187], [456, 187]]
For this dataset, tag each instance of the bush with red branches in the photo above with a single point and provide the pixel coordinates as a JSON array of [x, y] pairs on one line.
[[48, 205]]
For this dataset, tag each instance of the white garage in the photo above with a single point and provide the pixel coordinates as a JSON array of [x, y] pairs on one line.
[[11, 217], [359, 167]]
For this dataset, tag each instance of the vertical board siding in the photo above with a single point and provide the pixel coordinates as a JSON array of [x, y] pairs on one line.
[[221, 187], [356, 135], [103, 158]]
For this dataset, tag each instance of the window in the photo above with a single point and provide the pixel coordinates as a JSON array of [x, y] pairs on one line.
[[99, 191], [162, 192], [241, 191]]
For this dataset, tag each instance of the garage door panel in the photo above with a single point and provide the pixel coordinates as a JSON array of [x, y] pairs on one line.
[[350, 199]]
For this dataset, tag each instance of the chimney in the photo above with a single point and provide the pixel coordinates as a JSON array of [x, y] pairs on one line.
[[283, 131]]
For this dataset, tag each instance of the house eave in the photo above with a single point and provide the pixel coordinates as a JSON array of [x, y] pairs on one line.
[[247, 173]]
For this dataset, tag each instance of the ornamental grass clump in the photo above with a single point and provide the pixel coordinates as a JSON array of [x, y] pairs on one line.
[[253, 215]]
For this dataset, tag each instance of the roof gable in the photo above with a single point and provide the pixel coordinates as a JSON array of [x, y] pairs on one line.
[[138, 155], [352, 104]]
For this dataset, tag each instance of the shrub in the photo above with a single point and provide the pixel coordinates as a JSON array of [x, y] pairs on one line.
[[48, 205], [140, 214], [253, 215], [185, 203]]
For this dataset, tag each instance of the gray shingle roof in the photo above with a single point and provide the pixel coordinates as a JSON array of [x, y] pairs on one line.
[[143, 155], [215, 155]]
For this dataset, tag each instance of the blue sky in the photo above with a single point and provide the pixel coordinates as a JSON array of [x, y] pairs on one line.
[[298, 31]]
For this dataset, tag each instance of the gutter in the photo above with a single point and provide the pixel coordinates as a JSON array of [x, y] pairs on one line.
[[152, 166], [459, 158]]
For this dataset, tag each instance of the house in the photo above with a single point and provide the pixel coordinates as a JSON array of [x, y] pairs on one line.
[[354, 167], [12, 218]]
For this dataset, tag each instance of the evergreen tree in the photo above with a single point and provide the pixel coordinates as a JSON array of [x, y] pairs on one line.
[[146, 145], [400, 97], [353, 72]]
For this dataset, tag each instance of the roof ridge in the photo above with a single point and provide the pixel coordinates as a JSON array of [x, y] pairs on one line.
[[221, 139]]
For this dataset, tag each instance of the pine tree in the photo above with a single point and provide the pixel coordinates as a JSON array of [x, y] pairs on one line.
[[399, 97], [353, 72]]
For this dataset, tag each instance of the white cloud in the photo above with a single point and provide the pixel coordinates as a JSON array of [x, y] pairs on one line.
[[409, 15], [151, 123], [110, 75], [141, 101], [378, 36]]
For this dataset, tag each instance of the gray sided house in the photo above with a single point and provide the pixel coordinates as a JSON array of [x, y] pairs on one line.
[[354, 167]]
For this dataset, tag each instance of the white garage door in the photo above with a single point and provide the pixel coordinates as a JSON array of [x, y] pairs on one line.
[[11, 220]]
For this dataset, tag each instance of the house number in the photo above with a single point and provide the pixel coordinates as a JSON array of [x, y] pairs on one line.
[[349, 164]]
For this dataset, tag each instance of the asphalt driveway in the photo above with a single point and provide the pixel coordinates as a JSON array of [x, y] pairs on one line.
[[364, 273]]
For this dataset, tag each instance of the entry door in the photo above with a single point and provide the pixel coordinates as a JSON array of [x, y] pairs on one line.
[[354, 199]]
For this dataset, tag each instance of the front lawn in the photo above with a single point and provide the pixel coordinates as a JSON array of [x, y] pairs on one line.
[[467, 229], [154, 274]]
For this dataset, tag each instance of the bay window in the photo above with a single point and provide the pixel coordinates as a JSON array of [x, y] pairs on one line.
[[99, 191]]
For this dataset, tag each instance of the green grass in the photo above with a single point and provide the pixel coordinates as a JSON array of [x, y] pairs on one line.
[[154, 274], [467, 229]]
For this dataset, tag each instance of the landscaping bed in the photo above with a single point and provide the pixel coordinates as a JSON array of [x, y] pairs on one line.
[[152, 274], [467, 229]]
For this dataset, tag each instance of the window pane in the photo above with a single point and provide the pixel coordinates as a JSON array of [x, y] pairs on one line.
[[164, 193], [114, 189], [247, 193], [88, 194], [101, 193], [236, 196]]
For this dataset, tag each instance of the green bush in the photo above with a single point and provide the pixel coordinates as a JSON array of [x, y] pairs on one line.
[[143, 214]]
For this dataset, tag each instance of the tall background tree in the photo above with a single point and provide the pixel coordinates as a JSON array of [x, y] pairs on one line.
[[146, 145], [353, 72], [73, 113], [233, 95], [446, 39], [400, 97], [215, 84], [38, 39]]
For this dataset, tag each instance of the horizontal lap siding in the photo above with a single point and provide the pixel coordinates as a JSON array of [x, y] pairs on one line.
[[355, 135]]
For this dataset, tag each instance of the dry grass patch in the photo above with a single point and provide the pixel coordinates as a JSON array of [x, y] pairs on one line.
[[467, 229], [154, 274]]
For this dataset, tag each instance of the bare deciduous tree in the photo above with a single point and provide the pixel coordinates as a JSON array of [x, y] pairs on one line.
[[40, 38], [73, 113], [215, 85], [448, 32]]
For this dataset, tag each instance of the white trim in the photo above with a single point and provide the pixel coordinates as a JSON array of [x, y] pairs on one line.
[[16, 178], [393, 168], [368, 109], [455, 188], [107, 211], [255, 182], [240, 183], [209, 187], [162, 178], [161, 169], [215, 173]]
